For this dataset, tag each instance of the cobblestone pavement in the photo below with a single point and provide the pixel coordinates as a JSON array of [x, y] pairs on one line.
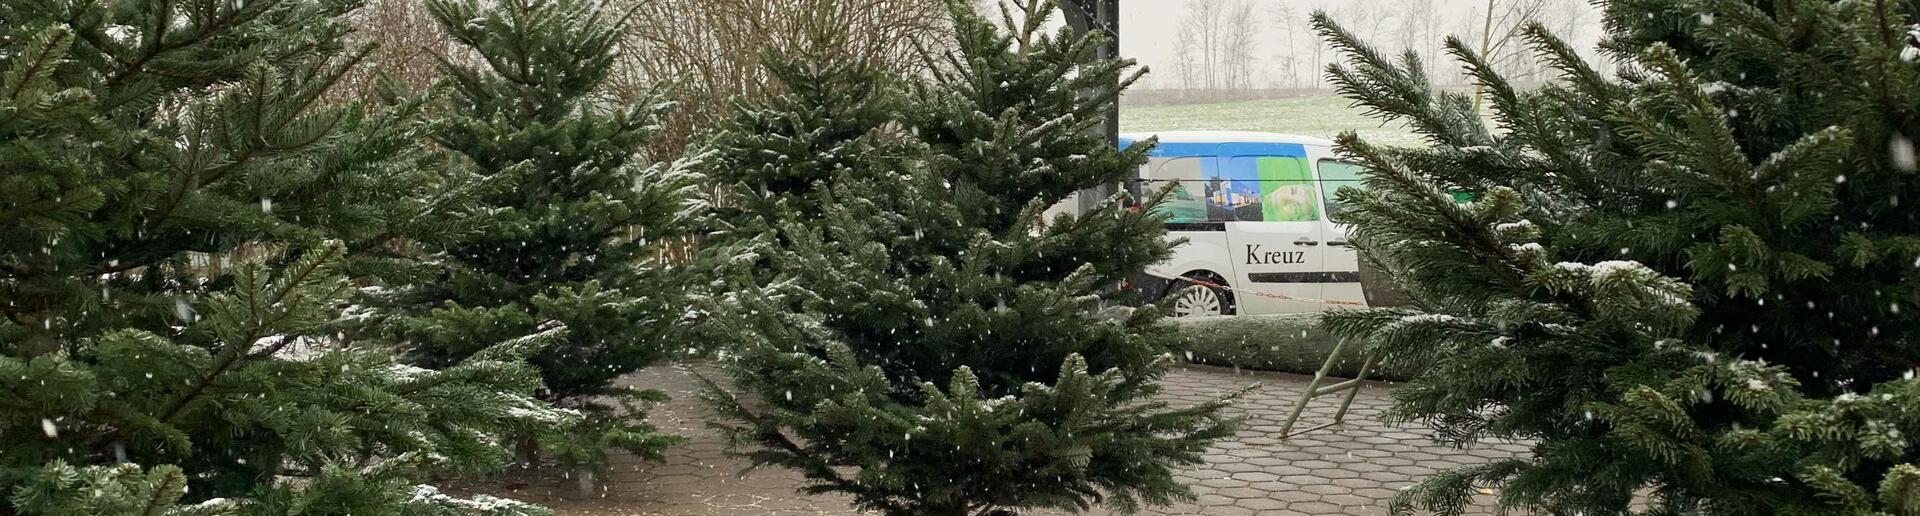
[[1353, 468]]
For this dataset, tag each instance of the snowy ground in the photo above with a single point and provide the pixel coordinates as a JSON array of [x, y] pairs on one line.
[[1320, 116]]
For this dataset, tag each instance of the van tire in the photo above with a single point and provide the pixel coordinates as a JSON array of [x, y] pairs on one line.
[[1197, 300]]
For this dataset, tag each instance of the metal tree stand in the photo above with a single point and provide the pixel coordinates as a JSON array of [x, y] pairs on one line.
[[1378, 292], [1314, 390]]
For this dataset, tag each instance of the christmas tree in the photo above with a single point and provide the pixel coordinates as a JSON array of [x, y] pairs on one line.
[[181, 201], [1690, 286], [827, 119], [912, 334], [566, 217]]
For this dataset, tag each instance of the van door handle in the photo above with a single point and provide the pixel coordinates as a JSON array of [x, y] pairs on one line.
[[1337, 243], [1306, 241]]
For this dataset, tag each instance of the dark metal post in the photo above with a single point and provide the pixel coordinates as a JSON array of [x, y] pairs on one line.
[[1109, 17], [1102, 15]]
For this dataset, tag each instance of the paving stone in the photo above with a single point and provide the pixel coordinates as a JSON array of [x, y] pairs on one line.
[[1262, 505], [1256, 476], [1242, 493], [1314, 507], [1297, 495], [1352, 469], [1326, 489], [1238, 467], [1223, 483], [1347, 500]]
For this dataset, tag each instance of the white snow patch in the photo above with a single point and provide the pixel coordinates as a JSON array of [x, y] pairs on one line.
[[996, 403], [481, 504], [123, 34], [404, 372], [1912, 52], [212, 505], [1428, 319], [526, 408], [1522, 225], [1609, 270]]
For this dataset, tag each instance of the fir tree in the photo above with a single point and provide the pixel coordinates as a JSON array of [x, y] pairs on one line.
[[1692, 285], [826, 120], [178, 207], [913, 335], [567, 217]]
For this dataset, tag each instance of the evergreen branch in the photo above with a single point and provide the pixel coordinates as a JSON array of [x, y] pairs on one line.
[[160, 499], [1564, 58], [210, 27], [50, 46], [234, 351], [1506, 102], [1480, 242], [816, 467], [1393, 93]]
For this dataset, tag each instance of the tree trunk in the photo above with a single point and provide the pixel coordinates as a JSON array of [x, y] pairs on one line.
[[1486, 44], [530, 451], [588, 483]]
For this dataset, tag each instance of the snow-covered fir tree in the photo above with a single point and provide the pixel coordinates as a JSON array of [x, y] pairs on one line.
[[911, 334], [1692, 285], [566, 215], [180, 198]]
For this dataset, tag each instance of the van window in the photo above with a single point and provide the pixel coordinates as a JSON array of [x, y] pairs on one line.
[[1272, 189], [1333, 176], [1188, 203]]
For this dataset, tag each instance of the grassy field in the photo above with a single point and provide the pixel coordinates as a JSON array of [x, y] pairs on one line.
[[1320, 116]]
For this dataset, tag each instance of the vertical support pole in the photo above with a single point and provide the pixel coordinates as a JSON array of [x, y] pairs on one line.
[[1109, 16], [1087, 16]]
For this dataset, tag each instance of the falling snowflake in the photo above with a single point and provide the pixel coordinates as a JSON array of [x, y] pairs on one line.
[[1900, 150]]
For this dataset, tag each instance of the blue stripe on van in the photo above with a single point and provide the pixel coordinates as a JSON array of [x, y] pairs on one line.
[[1191, 149]]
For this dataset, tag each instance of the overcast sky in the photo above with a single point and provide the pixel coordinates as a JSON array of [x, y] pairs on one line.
[[1148, 27]]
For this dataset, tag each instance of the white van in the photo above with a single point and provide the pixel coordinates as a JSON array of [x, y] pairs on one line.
[[1258, 211]]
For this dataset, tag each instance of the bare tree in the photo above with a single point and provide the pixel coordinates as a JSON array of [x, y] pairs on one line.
[[1201, 27], [1430, 39], [1239, 43], [711, 50], [1407, 30], [1285, 17], [1219, 41], [1186, 50], [1415, 31], [408, 38], [1500, 30]]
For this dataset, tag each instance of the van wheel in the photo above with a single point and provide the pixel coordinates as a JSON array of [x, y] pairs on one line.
[[1196, 300]]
